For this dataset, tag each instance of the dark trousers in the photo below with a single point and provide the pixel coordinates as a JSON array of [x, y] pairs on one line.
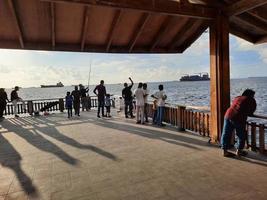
[[146, 112], [76, 105], [2, 109], [155, 116], [108, 109], [69, 112], [228, 128], [101, 104], [128, 103]]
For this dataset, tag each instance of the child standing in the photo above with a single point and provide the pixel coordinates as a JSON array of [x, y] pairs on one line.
[[108, 104], [69, 103]]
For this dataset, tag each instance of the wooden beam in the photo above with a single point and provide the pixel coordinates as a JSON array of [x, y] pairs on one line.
[[219, 75], [53, 30], [139, 29], [113, 27], [10, 44], [262, 40], [189, 41], [16, 22], [165, 26], [85, 27], [151, 6], [252, 21], [243, 6]]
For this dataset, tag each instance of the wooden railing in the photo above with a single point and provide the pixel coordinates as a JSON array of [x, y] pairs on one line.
[[256, 137], [37, 104], [199, 122]]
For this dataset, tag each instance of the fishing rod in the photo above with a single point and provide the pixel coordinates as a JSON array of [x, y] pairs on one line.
[[89, 75]]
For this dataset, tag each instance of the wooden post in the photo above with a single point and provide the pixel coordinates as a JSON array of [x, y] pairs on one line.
[[61, 105], [219, 72], [180, 121], [30, 107]]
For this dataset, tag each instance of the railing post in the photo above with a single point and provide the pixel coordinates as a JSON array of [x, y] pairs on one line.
[[262, 138], [253, 136], [180, 121], [30, 107], [61, 105]]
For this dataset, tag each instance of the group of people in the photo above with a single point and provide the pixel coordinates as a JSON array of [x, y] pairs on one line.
[[14, 98], [141, 101]]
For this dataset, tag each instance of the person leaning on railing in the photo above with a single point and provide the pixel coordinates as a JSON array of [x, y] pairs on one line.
[[15, 99], [235, 119]]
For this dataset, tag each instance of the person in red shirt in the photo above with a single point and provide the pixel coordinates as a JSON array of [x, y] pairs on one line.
[[235, 119]]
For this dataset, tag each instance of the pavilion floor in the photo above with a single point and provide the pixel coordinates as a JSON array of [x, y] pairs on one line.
[[52, 157]]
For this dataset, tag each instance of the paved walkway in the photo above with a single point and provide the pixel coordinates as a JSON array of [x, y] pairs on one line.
[[115, 159]]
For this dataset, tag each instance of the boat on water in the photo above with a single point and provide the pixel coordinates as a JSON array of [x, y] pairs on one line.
[[59, 84], [198, 77]]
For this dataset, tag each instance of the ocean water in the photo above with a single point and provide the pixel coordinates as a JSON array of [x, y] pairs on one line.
[[182, 93]]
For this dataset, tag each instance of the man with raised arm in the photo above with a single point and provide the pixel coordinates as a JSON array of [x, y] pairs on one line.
[[128, 98]]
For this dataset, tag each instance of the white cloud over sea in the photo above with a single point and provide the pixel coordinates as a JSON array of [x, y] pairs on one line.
[[33, 68]]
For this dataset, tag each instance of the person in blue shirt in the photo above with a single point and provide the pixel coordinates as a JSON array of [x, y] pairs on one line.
[[69, 103]]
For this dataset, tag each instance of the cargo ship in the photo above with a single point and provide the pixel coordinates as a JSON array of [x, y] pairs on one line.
[[199, 77], [59, 84]]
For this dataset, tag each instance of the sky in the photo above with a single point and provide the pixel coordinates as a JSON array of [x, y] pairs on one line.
[[33, 68]]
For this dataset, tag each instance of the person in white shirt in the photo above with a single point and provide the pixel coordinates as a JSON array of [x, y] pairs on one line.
[[161, 97], [146, 91], [140, 102]]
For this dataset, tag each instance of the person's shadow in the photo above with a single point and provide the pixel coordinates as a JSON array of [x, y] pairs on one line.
[[11, 159]]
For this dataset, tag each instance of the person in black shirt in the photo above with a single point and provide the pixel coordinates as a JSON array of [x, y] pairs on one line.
[[15, 99], [101, 93], [76, 100], [84, 100], [3, 101], [128, 98]]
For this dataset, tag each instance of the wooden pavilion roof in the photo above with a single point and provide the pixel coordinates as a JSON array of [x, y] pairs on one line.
[[123, 26]]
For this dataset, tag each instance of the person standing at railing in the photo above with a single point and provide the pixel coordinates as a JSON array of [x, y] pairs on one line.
[[235, 119], [3, 102], [160, 96], [127, 95], [108, 103], [84, 100], [140, 103], [101, 93], [146, 92], [68, 104], [15, 99], [76, 100]]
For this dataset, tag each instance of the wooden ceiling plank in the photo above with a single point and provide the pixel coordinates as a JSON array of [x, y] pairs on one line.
[[194, 37], [251, 21], [114, 25], [243, 6], [16, 22], [183, 31], [53, 22], [259, 13], [85, 27], [163, 29], [241, 34], [262, 40], [151, 6], [138, 31]]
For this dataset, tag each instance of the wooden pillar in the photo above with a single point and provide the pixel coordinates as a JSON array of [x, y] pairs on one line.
[[220, 75]]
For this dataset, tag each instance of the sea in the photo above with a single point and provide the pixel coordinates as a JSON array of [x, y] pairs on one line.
[[196, 93]]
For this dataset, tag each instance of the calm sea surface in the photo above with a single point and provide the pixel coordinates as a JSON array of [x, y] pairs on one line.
[[182, 93]]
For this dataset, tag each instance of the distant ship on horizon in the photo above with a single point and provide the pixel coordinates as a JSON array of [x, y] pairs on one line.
[[59, 84], [200, 77]]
